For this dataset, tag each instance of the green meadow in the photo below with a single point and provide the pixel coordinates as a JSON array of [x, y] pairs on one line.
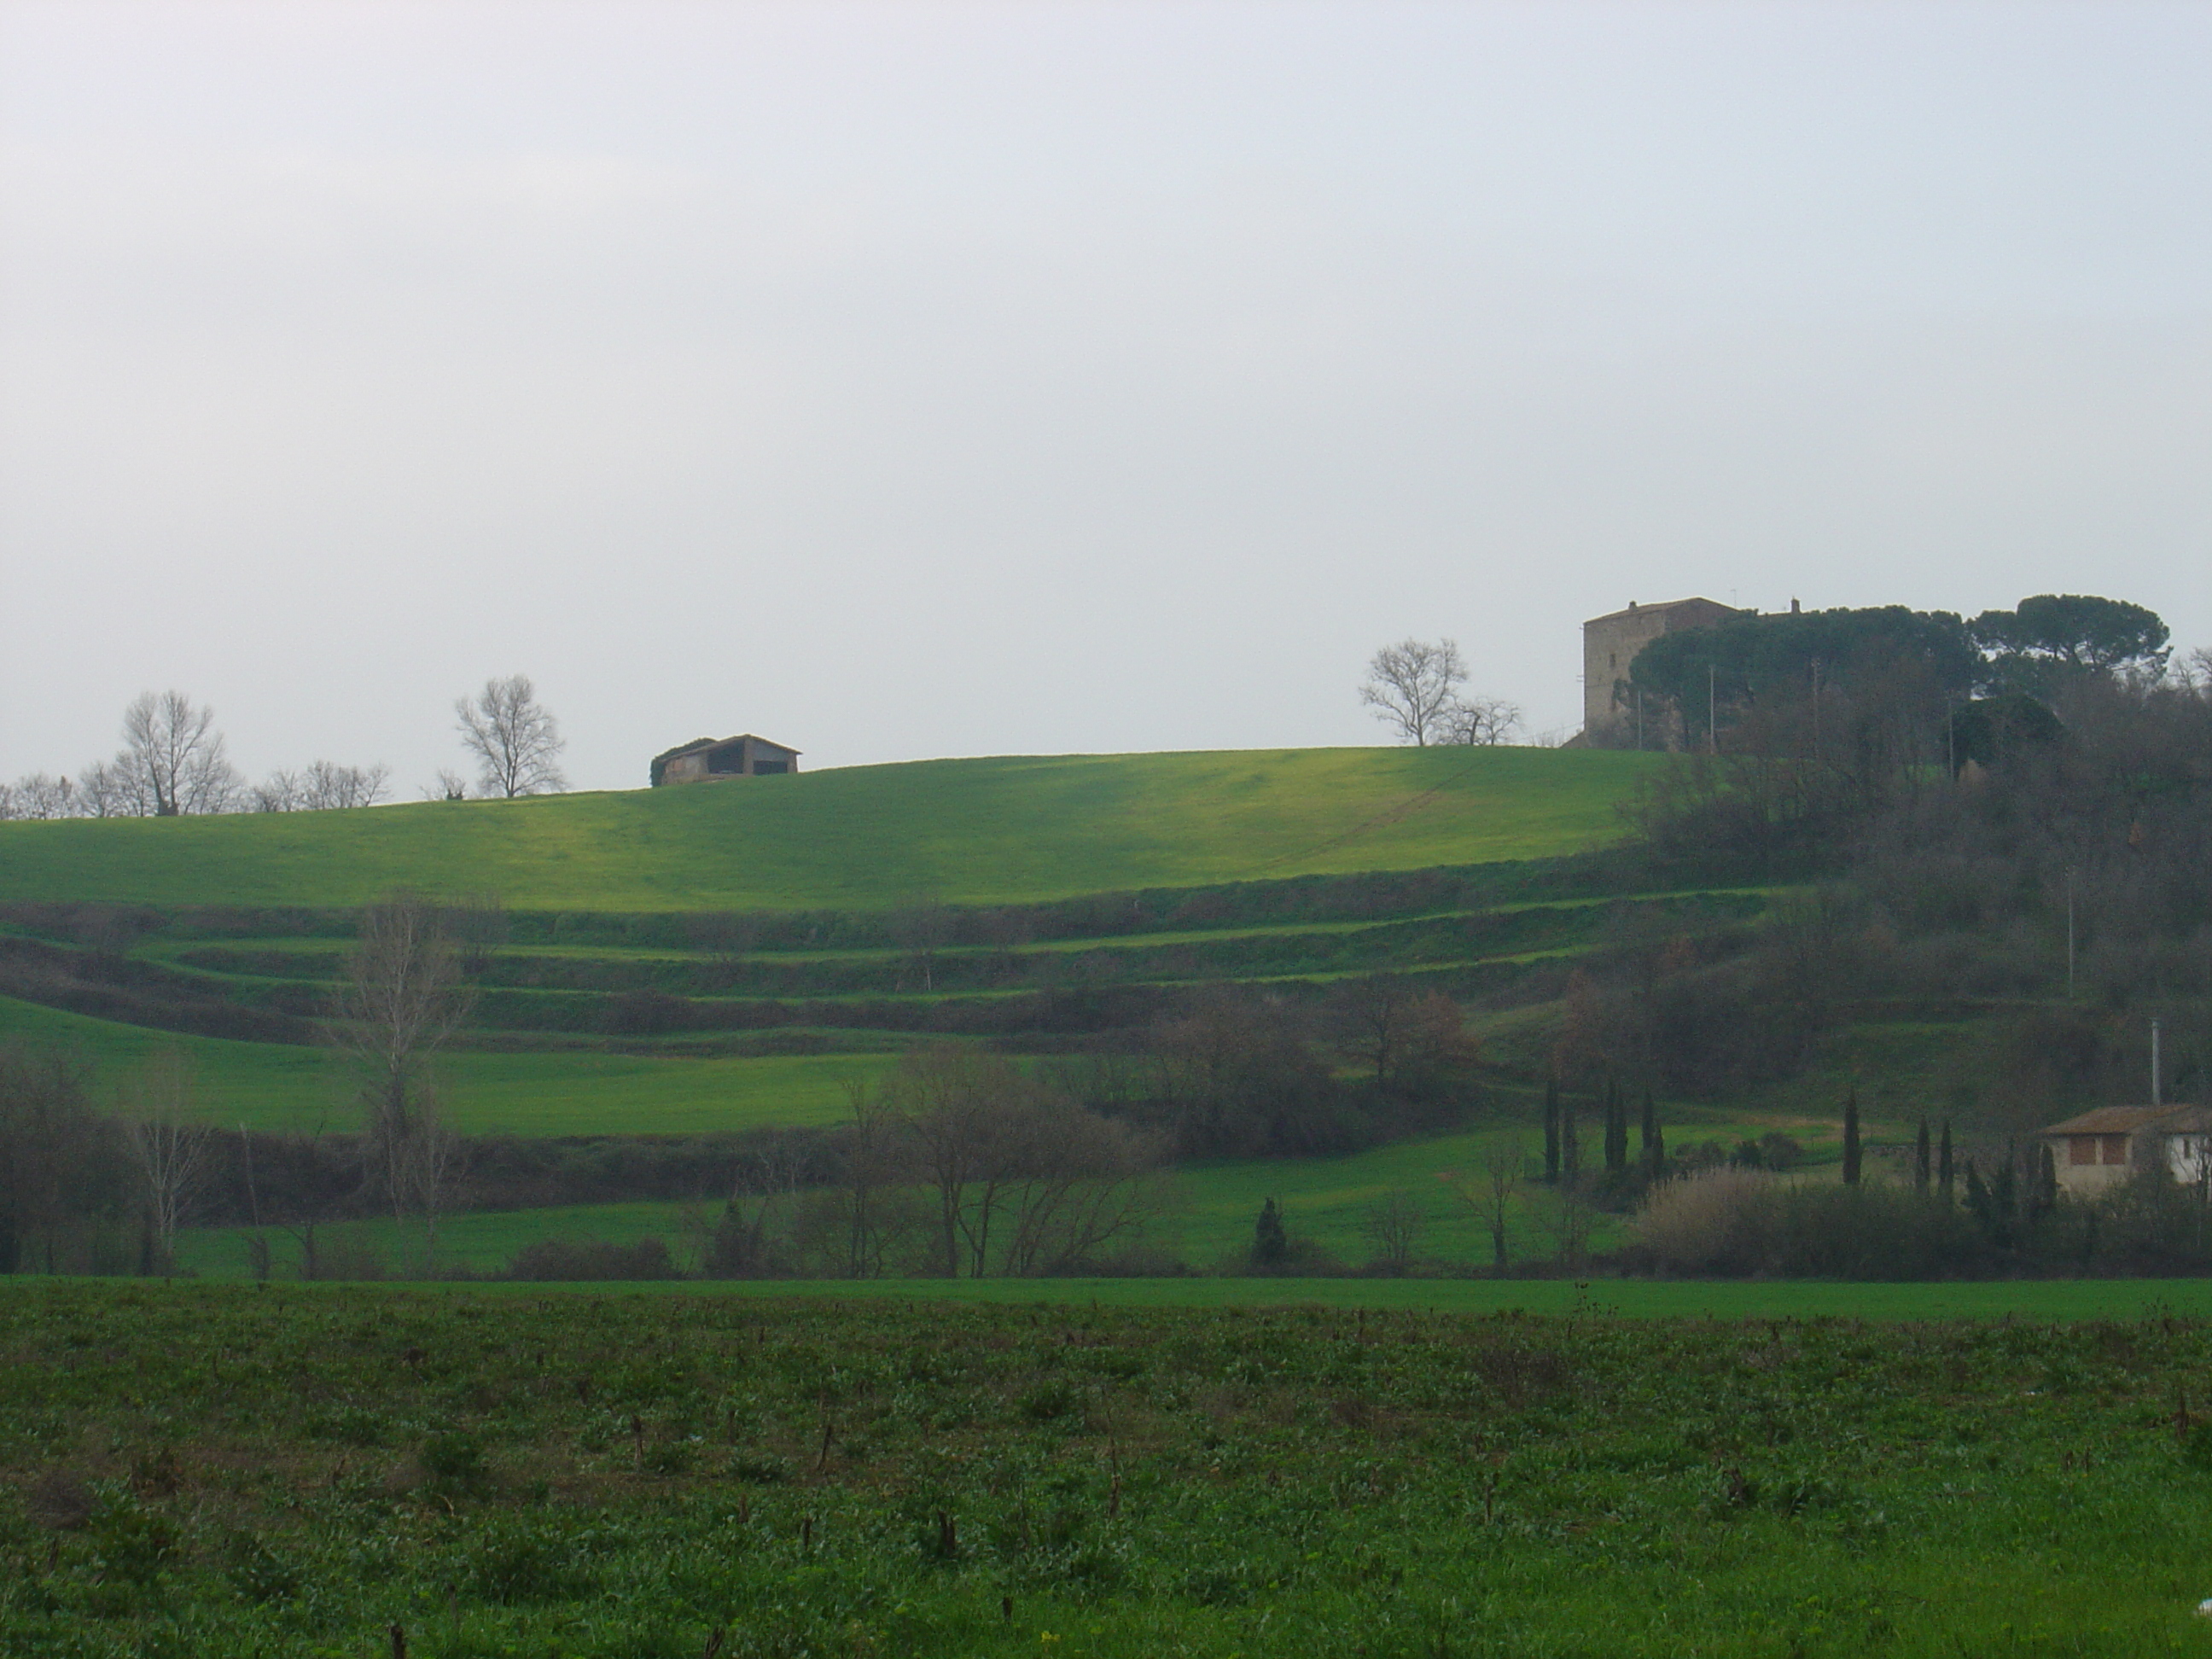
[[956, 831], [297, 1088]]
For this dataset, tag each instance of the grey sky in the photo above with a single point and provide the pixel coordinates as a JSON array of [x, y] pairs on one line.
[[914, 379]]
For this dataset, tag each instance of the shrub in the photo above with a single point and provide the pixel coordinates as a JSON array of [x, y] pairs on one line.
[[574, 1260], [1716, 1221], [1733, 1221]]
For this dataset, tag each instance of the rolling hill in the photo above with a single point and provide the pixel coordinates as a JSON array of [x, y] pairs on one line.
[[985, 831]]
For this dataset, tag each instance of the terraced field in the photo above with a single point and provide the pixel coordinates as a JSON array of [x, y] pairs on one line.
[[597, 1022]]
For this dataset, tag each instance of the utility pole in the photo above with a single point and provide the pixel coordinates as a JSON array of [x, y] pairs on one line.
[[1712, 722], [2157, 1093], [2070, 933]]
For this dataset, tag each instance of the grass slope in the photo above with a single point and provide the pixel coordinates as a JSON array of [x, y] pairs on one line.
[[275, 1086], [973, 831]]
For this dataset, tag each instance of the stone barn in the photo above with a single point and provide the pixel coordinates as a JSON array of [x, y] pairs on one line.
[[708, 758]]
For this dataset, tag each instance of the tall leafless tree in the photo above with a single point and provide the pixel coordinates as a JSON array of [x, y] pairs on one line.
[[168, 1143], [1492, 1198], [403, 996], [173, 761], [1411, 685], [515, 740]]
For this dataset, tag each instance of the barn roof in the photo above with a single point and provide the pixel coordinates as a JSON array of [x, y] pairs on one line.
[[742, 737]]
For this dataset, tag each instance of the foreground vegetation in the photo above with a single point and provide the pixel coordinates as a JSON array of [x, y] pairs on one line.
[[320, 1471]]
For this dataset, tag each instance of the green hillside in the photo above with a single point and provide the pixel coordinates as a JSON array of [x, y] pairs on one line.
[[288, 1087], [958, 831]]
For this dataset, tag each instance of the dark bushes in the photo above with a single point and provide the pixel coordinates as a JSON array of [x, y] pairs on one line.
[[584, 1259]]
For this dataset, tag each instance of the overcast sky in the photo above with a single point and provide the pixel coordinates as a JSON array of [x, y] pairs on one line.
[[913, 380]]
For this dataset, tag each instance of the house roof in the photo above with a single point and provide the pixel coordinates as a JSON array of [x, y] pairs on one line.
[[2129, 1120], [742, 737]]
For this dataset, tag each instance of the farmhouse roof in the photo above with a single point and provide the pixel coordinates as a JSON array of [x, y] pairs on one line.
[[2130, 1120], [742, 737]]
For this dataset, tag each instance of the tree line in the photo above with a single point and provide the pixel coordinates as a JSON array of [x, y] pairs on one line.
[[173, 761]]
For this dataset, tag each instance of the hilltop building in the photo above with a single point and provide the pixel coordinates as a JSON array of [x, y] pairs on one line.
[[2103, 1148], [708, 758], [1609, 645]]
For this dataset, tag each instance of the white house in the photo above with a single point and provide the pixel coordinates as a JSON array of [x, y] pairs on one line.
[[2101, 1149]]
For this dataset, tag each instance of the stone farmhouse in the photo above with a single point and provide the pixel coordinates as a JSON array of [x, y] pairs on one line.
[[742, 756], [1611, 719], [2103, 1148]]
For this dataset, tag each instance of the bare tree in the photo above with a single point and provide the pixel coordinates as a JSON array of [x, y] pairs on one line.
[[173, 761], [103, 792], [921, 930], [1410, 686], [402, 996], [323, 787], [169, 1146], [516, 741], [39, 796], [329, 787], [1398, 1027], [1482, 721], [280, 792], [1491, 1199], [1394, 1223]]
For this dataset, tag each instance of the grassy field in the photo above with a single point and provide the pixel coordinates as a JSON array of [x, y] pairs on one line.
[[189, 1471], [278, 1086], [968, 831]]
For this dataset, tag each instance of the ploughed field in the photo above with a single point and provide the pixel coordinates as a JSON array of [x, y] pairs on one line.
[[191, 1470]]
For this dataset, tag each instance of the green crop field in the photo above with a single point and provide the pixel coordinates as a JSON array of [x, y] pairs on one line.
[[966, 831], [359, 1472]]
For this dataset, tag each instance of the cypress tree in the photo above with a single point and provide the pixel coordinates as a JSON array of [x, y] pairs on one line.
[[1652, 1155], [1570, 1143], [1551, 1131], [1943, 1162], [1978, 1204], [1851, 1139], [2004, 1194], [1616, 1129], [1920, 1167], [2047, 1179]]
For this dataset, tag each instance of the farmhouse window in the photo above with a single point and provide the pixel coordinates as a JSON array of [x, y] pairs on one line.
[[2081, 1149], [2116, 1148], [771, 769], [727, 761]]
